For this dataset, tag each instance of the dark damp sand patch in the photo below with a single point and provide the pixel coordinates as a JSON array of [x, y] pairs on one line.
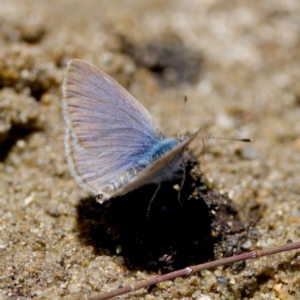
[[175, 234]]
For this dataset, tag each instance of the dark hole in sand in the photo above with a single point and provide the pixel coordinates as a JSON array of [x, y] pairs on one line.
[[174, 236], [36, 89], [17, 132]]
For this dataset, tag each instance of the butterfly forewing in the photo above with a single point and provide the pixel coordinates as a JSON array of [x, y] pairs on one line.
[[108, 129]]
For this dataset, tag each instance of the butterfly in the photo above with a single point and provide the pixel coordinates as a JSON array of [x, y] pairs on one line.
[[113, 145]]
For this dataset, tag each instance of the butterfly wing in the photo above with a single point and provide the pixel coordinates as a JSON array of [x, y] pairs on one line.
[[108, 129]]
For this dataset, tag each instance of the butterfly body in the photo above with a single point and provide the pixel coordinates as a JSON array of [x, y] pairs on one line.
[[113, 145], [158, 150]]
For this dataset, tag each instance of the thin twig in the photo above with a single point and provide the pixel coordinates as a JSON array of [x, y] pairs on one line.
[[197, 268]]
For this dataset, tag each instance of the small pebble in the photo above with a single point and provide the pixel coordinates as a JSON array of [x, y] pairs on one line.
[[118, 249], [74, 288], [247, 245], [250, 152], [222, 280]]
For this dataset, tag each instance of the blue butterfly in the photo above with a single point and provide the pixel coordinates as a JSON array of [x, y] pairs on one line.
[[113, 144]]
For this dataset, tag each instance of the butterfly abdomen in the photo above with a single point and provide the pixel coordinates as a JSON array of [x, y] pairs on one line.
[[172, 167], [121, 180]]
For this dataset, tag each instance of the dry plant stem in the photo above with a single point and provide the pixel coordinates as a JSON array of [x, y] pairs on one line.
[[197, 268]]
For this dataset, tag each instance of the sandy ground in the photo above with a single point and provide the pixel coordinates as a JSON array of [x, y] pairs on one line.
[[239, 63]]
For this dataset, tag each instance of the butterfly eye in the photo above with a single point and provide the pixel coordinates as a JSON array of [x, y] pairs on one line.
[[100, 199]]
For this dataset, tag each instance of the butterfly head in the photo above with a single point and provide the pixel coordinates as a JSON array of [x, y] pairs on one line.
[[183, 137]]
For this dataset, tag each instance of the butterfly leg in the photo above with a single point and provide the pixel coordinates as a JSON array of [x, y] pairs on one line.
[[181, 186], [150, 203]]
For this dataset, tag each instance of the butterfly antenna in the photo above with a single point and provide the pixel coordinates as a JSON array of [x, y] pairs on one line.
[[218, 138], [181, 185], [203, 151], [227, 139], [182, 113]]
